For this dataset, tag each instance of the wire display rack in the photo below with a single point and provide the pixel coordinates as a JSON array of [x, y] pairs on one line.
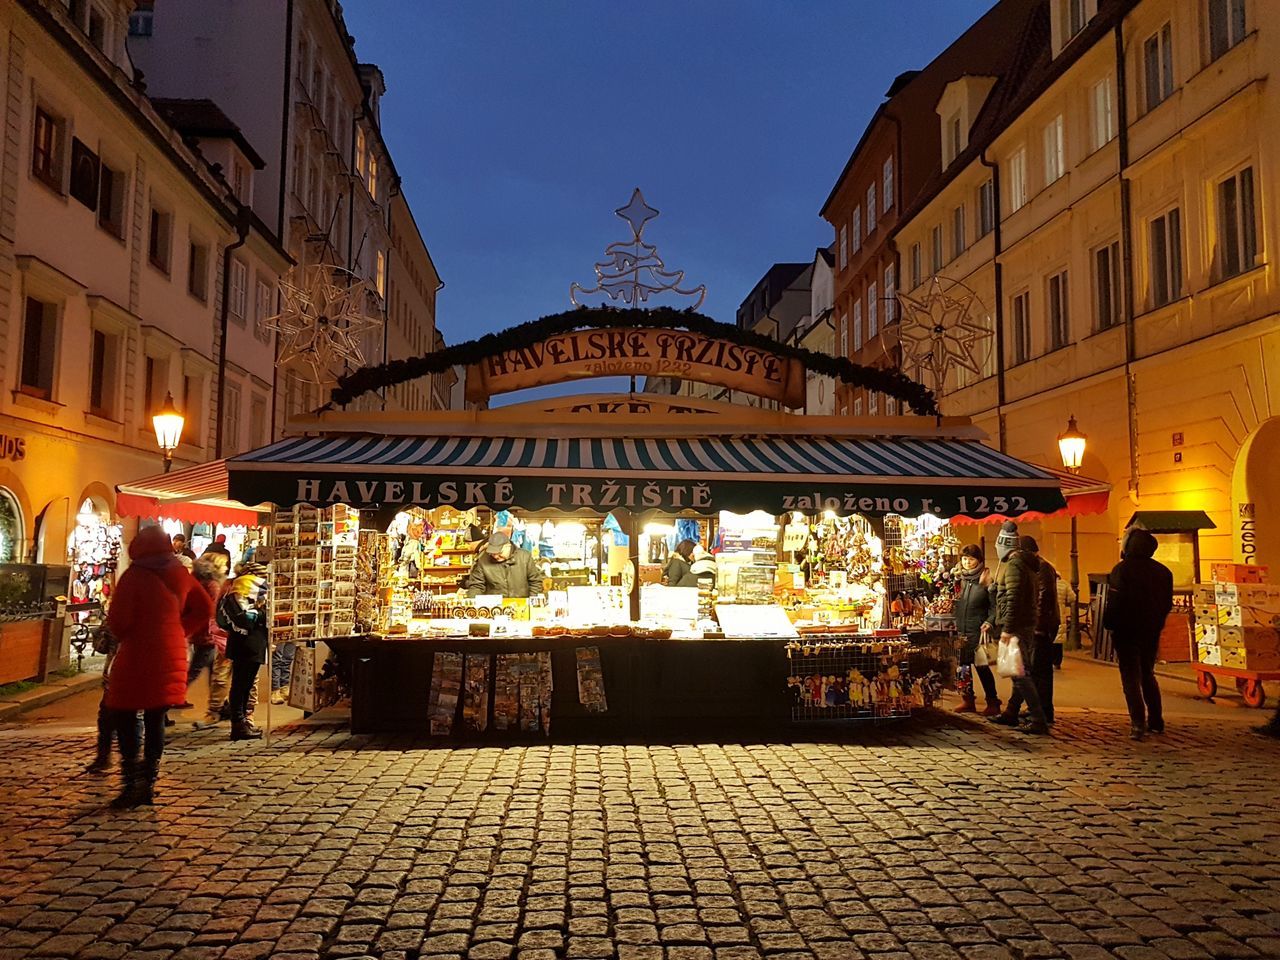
[[855, 678]]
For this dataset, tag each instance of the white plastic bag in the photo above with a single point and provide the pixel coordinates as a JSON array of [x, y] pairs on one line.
[[1009, 661]]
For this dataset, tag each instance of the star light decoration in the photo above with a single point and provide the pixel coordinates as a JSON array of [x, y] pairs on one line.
[[938, 332], [633, 271], [322, 320]]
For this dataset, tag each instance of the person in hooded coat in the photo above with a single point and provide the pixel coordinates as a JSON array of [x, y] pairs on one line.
[[242, 612], [1017, 587], [1040, 666], [975, 613], [1139, 598], [156, 606]]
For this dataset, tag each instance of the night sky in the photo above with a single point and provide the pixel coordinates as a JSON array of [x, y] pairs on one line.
[[518, 127]]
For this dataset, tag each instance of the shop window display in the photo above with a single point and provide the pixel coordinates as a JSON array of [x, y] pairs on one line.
[[94, 552]]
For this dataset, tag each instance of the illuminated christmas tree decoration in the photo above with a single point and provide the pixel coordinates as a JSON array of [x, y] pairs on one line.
[[940, 331], [322, 321]]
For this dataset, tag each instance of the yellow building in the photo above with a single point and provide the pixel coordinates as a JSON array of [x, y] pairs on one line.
[[1108, 201]]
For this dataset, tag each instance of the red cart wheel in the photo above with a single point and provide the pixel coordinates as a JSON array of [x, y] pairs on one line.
[[1206, 684], [1253, 693]]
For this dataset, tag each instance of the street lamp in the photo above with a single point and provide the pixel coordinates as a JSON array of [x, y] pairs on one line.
[[1071, 444], [168, 422]]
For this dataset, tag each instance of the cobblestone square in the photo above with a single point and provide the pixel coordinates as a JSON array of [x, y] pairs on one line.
[[936, 840]]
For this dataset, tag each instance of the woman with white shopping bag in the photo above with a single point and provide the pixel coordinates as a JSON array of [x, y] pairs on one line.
[[1017, 603]]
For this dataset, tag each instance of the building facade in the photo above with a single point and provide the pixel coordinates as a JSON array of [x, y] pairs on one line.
[[412, 285], [289, 78], [1128, 266], [115, 232]]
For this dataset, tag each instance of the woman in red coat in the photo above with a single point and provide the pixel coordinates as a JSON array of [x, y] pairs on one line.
[[156, 606]]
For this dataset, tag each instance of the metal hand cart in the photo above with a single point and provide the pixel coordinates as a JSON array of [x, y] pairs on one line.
[[1248, 682]]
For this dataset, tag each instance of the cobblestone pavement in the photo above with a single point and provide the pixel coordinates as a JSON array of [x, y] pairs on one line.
[[939, 839]]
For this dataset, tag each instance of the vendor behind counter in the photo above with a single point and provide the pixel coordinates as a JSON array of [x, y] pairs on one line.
[[503, 569]]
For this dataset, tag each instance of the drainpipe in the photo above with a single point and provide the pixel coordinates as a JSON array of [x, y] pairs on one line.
[[243, 224], [1126, 254], [284, 119], [998, 249], [892, 240]]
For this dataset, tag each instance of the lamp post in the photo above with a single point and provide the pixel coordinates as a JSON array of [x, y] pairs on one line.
[[168, 422], [1071, 444]]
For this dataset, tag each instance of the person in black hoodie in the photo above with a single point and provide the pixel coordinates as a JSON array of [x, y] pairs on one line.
[[1048, 619], [1017, 592], [1139, 598]]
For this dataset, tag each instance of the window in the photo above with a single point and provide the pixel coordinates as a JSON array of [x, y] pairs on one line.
[[111, 185], [159, 240], [360, 153], [1054, 151], [104, 362], [1018, 179], [198, 272], [935, 251], [957, 232], [1237, 228], [97, 29], [954, 133], [843, 328], [1107, 297], [857, 325], [872, 311], [240, 180], [856, 230], [155, 385], [1021, 313], [373, 177], [1226, 26], [915, 265], [873, 404], [263, 308], [39, 348], [380, 274], [1102, 124], [986, 208], [1075, 17], [85, 171], [1059, 319], [231, 420], [857, 406], [890, 407], [141, 21], [871, 210], [239, 292], [1165, 254], [886, 189], [47, 148], [313, 191], [844, 247], [192, 405], [258, 421], [890, 294], [1157, 67]]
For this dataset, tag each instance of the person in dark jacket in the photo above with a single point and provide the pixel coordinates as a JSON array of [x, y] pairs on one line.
[[1040, 669], [1017, 590], [679, 569], [242, 613], [975, 615], [1139, 598], [503, 569], [219, 546]]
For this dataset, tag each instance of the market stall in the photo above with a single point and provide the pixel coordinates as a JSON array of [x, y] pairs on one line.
[[830, 542]]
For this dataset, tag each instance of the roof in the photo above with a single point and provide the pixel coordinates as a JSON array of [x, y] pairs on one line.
[[828, 256], [1032, 71], [864, 474], [196, 494], [203, 118], [1171, 521]]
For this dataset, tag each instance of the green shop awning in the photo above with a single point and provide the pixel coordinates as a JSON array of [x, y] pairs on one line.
[[869, 475]]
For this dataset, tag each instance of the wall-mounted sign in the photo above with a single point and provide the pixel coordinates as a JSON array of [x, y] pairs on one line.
[[639, 352], [12, 448]]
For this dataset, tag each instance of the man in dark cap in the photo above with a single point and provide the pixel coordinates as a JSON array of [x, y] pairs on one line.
[[1139, 598], [1040, 666], [1017, 592], [503, 569]]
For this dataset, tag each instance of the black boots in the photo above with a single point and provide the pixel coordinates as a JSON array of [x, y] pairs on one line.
[[138, 788], [244, 730]]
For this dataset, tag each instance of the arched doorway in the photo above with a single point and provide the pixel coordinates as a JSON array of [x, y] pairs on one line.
[[1255, 497], [12, 528]]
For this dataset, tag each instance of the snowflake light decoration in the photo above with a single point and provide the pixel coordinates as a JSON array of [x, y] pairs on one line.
[[322, 320], [938, 330], [633, 271]]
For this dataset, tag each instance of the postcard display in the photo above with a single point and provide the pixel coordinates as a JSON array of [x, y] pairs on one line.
[[313, 596]]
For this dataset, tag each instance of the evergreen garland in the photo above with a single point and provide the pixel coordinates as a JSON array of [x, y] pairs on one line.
[[892, 383]]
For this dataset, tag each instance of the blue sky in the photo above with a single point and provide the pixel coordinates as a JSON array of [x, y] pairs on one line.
[[518, 127]]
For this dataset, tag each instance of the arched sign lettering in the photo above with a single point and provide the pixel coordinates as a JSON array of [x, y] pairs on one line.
[[638, 351]]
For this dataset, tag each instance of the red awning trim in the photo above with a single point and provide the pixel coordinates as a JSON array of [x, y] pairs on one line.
[[196, 494], [1085, 497]]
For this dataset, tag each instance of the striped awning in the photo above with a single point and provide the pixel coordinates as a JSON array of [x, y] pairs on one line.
[[1085, 496], [872, 474], [197, 495]]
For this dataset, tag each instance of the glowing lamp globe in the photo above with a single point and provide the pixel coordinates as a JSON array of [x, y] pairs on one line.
[[168, 423], [1071, 444]]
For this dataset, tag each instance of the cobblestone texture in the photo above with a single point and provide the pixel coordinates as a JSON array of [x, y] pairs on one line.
[[934, 841]]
